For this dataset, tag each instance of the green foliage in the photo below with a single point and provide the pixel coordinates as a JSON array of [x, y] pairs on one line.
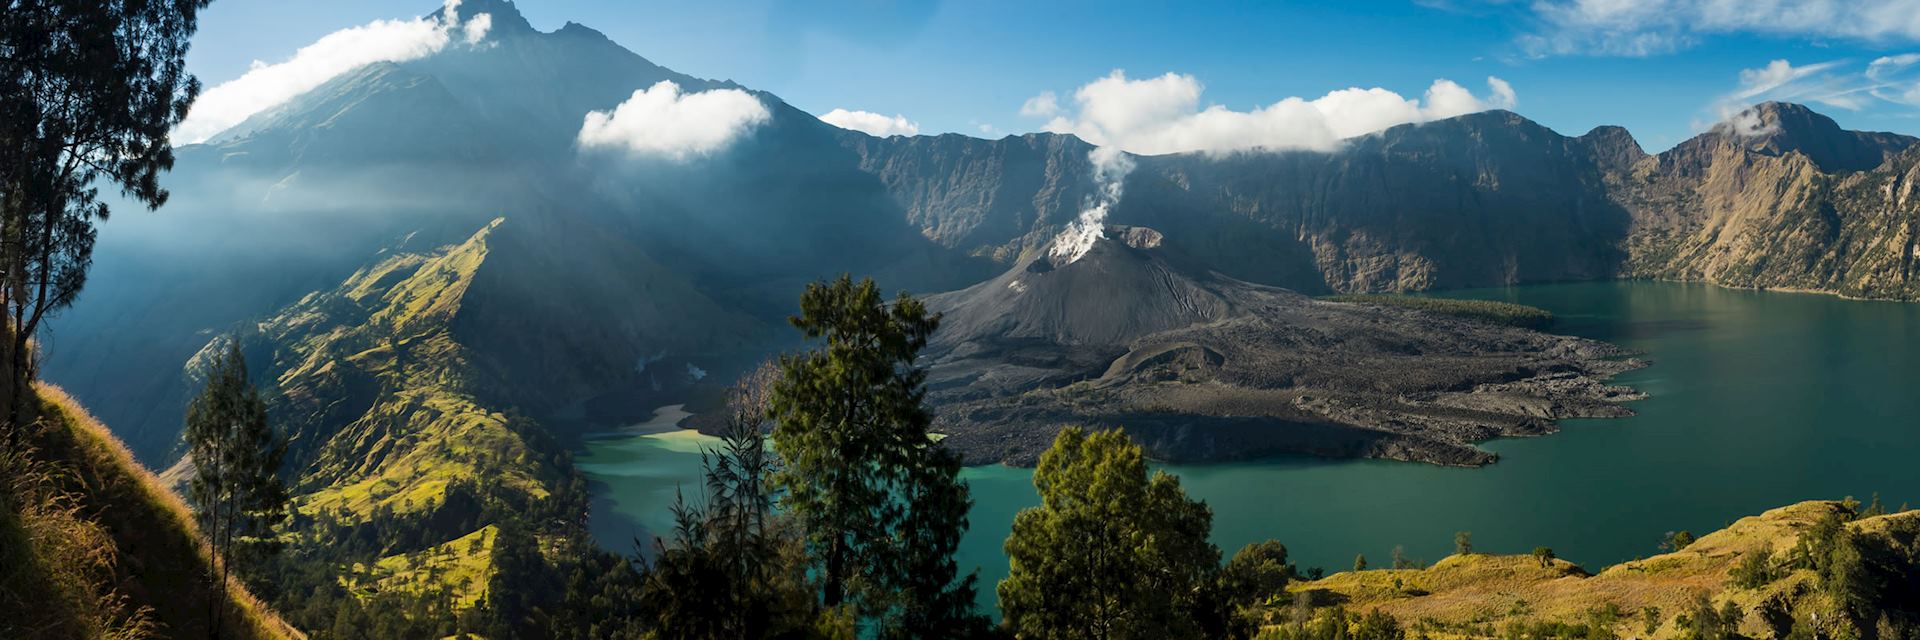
[[734, 569], [881, 504], [1543, 555], [88, 94], [1506, 313], [1839, 557], [235, 487], [1360, 562], [1676, 540], [1702, 622], [1400, 560], [1463, 543], [1110, 552], [1257, 573], [1874, 508], [1756, 569]]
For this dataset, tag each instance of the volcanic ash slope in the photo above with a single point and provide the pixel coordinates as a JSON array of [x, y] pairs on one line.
[[1198, 366]]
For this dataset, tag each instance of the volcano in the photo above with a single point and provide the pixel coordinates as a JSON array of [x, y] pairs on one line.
[[1199, 366]]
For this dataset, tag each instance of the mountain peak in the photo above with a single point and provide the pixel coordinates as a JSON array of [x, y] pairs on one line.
[[1612, 147], [1778, 128], [505, 17], [1125, 286]]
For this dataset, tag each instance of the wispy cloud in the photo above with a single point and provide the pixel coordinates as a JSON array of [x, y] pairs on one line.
[[871, 123], [265, 86], [661, 121], [1842, 84], [1653, 27], [1163, 114]]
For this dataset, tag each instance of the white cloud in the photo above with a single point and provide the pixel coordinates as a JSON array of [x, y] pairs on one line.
[[1651, 27], [1775, 76], [1839, 83], [476, 29], [1888, 80], [1045, 105], [662, 121], [1503, 95], [265, 86], [1163, 115], [871, 123]]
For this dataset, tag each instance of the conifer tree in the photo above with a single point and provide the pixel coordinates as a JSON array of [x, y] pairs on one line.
[[881, 504], [235, 488]]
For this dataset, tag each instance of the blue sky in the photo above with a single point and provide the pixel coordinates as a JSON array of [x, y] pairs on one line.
[[1662, 68]]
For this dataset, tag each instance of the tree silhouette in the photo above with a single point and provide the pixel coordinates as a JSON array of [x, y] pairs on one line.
[[88, 92]]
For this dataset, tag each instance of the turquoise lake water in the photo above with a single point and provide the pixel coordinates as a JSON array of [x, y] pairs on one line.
[[1757, 400]]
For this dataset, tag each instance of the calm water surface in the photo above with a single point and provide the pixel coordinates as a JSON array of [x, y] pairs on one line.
[[1758, 400]]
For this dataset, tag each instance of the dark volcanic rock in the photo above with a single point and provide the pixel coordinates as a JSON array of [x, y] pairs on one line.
[[1199, 366]]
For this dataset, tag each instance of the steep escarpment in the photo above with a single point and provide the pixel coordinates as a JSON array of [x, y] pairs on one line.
[[1787, 200], [980, 196], [1484, 199], [1778, 197], [1489, 198], [1201, 366]]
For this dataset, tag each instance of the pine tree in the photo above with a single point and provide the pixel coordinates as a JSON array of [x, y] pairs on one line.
[[881, 504], [88, 93], [235, 488]]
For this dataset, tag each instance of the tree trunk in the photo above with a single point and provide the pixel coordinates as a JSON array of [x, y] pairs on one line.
[[836, 572]]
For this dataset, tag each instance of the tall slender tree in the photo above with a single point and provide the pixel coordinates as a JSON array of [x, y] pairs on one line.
[[880, 502], [89, 90], [235, 488], [732, 569]]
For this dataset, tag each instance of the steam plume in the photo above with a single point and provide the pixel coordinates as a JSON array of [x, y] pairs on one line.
[[1110, 169]]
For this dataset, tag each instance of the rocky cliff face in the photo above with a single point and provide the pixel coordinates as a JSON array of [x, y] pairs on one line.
[[1489, 198], [1791, 202], [1779, 197]]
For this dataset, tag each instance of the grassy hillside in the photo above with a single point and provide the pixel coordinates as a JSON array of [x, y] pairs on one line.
[[413, 477], [1482, 595], [381, 396], [93, 545]]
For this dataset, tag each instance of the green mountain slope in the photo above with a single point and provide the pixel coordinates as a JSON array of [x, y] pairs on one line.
[[412, 450]]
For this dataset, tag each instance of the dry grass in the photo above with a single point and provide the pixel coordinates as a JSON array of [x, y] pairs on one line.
[[56, 566], [1485, 589], [159, 562]]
